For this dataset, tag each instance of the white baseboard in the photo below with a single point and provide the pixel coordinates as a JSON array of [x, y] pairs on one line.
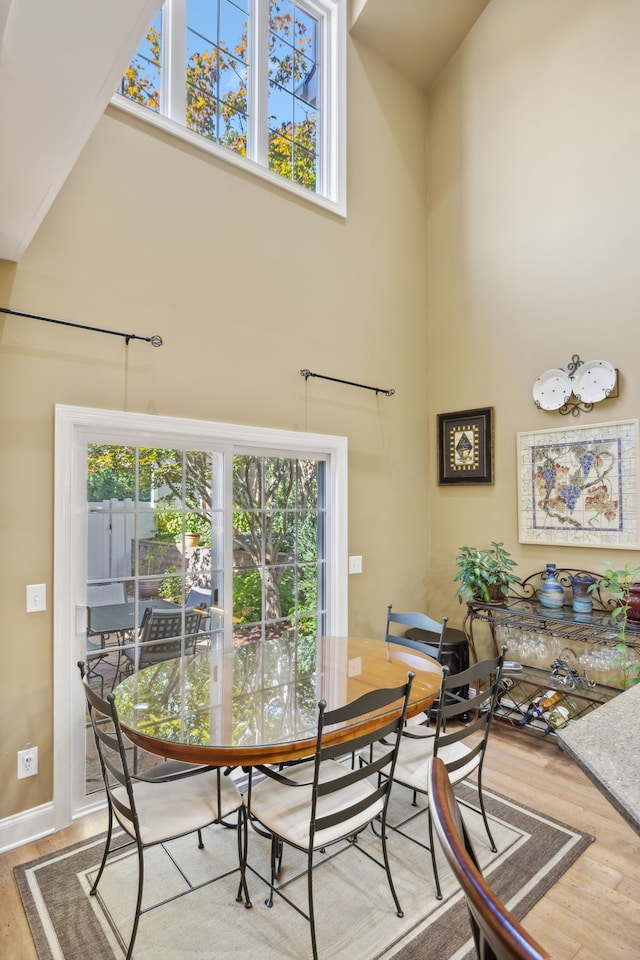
[[26, 826]]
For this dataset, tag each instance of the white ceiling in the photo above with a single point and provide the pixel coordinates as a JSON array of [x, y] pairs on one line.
[[416, 37], [60, 62]]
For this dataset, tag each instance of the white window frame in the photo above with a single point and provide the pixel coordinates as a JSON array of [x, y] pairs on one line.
[[74, 427], [330, 190]]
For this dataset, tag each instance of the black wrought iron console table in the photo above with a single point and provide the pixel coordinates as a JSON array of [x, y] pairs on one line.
[[538, 637]]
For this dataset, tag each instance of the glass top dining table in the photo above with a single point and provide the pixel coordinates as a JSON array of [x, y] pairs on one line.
[[257, 702]]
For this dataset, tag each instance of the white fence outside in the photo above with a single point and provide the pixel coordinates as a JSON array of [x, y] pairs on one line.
[[112, 526]]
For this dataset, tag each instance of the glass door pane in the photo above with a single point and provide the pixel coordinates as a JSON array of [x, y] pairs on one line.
[[279, 518], [154, 560]]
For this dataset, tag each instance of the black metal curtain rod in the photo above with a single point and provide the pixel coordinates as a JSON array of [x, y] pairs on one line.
[[154, 341], [307, 373]]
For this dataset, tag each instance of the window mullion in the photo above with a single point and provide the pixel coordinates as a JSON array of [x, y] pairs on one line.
[[257, 147], [175, 52]]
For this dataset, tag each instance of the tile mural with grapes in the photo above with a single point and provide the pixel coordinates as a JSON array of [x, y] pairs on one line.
[[578, 486]]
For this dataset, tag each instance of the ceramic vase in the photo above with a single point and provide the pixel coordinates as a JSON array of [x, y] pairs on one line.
[[633, 612], [551, 593], [582, 600]]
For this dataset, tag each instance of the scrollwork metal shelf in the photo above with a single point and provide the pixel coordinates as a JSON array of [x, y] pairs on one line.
[[563, 641]]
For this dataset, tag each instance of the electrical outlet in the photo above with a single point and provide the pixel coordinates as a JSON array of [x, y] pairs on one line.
[[27, 762]]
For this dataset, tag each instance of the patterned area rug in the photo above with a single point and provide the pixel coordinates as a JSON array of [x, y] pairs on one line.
[[356, 918]]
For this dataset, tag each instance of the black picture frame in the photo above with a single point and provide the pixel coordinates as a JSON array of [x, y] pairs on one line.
[[465, 447]]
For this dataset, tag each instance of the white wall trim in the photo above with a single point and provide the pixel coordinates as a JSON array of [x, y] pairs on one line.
[[26, 826]]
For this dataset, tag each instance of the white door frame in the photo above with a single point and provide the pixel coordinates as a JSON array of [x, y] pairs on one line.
[[74, 427]]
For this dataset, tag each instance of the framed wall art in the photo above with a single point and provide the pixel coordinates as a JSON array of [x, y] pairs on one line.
[[578, 486], [465, 446]]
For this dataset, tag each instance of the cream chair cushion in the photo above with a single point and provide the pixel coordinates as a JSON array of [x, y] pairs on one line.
[[287, 810], [180, 806]]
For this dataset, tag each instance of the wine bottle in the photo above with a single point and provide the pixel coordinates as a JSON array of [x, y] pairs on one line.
[[540, 705], [505, 684], [561, 714]]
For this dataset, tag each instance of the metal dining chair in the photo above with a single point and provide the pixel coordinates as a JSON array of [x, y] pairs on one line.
[[324, 801], [420, 621], [432, 645], [168, 801], [460, 739]]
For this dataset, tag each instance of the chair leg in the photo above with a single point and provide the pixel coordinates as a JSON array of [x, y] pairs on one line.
[[243, 839], [92, 672], [107, 844], [312, 921], [433, 857], [387, 866], [274, 857], [492, 844], [136, 919]]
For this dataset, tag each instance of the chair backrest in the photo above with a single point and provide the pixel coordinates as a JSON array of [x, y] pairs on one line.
[[378, 715], [112, 754], [496, 933], [200, 598], [432, 645], [100, 594], [161, 635], [483, 679]]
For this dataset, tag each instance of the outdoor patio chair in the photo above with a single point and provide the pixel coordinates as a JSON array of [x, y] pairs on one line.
[[324, 801], [497, 934], [161, 638], [169, 801], [199, 598], [99, 595]]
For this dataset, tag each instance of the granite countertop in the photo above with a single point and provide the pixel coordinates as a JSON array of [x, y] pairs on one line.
[[604, 743]]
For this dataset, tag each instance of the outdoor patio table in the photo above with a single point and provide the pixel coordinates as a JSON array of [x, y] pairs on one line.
[[256, 703], [122, 617]]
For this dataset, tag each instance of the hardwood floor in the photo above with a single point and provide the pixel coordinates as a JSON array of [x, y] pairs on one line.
[[592, 913]]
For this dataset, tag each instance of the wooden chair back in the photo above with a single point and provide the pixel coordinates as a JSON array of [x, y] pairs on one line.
[[496, 932]]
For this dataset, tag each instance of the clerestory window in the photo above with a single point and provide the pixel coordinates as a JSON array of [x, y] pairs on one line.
[[260, 82]]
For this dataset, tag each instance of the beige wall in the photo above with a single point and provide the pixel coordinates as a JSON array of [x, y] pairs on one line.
[[533, 201], [534, 220], [246, 286]]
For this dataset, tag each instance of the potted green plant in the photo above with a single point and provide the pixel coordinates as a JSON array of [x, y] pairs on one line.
[[195, 528], [485, 574], [623, 586]]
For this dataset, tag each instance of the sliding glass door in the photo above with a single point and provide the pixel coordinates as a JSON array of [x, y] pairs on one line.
[[233, 542]]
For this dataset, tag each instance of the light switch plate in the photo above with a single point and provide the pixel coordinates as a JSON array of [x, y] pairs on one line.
[[36, 597], [355, 564]]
